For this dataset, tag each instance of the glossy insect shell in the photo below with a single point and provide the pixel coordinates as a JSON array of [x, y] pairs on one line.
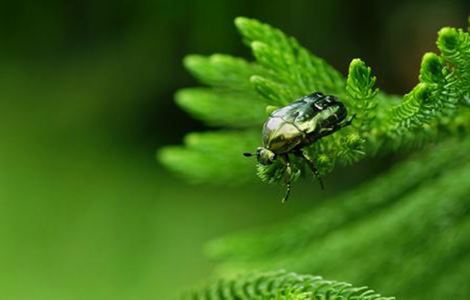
[[301, 122]]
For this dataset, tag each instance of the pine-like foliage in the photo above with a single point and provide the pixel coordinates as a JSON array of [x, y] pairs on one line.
[[240, 93], [406, 232], [281, 285]]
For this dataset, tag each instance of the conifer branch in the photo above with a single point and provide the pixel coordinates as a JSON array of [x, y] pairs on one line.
[[240, 93]]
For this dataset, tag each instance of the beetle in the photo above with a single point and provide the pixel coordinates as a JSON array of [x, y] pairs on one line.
[[297, 125]]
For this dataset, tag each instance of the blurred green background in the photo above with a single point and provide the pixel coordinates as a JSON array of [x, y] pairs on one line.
[[86, 93]]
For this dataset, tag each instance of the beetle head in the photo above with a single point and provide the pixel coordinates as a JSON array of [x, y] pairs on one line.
[[265, 156]]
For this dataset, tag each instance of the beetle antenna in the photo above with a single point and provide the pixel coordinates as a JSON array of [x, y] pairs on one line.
[[248, 154], [312, 167]]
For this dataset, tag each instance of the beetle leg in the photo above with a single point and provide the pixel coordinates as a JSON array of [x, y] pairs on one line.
[[287, 178], [286, 196], [311, 165]]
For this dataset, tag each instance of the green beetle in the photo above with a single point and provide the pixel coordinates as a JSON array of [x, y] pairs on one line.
[[297, 125]]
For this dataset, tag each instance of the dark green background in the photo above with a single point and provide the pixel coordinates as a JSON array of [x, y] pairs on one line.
[[85, 100]]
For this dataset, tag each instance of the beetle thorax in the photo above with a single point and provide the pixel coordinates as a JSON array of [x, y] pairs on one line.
[[281, 136]]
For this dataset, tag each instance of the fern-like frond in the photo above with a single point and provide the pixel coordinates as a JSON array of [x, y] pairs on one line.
[[454, 45], [433, 105], [430, 100], [281, 285], [290, 64], [204, 150], [222, 71], [218, 107]]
